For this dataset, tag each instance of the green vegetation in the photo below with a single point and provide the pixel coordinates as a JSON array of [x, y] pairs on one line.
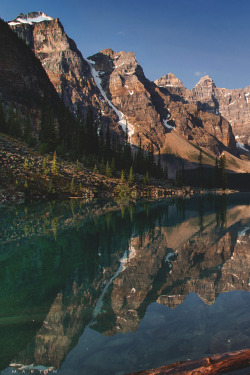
[[83, 139]]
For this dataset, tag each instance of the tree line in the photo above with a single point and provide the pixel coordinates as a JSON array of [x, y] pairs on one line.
[[82, 138], [204, 177]]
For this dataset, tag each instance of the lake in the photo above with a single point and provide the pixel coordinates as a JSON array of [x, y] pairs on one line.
[[90, 287]]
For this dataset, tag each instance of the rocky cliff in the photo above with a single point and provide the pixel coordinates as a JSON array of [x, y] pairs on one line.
[[23, 81], [64, 64], [232, 105], [153, 112], [114, 83]]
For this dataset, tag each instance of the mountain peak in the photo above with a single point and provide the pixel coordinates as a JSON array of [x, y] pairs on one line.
[[30, 18], [206, 80], [169, 80]]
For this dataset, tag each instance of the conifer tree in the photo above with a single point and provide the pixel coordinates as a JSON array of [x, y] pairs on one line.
[[108, 170], [54, 167], [166, 171], [217, 173], [150, 159], [146, 179], [18, 127], [26, 164], [107, 143], [47, 131], [101, 141], [159, 167], [27, 134], [95, 170], [113, 170], [200, 168], [72, 186], [131, 177], [2, 118], [12, 120], [77, 165], [180, 176], [122, 179], [102, 166], [222, 163]]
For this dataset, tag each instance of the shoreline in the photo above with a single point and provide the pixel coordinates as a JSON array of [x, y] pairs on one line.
[[27, 176]]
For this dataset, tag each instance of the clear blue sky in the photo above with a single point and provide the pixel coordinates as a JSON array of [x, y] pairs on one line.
[[189, 38]]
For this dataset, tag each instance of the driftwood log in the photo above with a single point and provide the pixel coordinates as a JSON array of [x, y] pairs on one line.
[[217, 364]]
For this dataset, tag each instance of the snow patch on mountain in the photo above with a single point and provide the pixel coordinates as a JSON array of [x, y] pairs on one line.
[[241, 146], [166, 124], [122, 118], [30, 18]]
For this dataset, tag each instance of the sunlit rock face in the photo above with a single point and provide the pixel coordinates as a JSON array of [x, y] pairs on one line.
[[153, 110], [65, 66], [115, 85], [233, 105]]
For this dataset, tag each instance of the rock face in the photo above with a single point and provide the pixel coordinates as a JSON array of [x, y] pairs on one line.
[[153, 112], [68, 71], [124, 83], [233, 105], [161, 113], [23, 81]]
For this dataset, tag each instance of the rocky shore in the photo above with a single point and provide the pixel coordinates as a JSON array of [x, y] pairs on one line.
[[26, 175]]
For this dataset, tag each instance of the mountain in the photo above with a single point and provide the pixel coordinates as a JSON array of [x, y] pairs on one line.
[[233, 105], [114, 84], [153, 113], [23, 80], [64, 64]]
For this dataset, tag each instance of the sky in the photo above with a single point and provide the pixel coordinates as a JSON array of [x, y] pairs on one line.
[[190, 38]]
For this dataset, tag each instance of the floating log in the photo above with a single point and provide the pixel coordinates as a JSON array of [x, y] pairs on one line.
[[214, 365]]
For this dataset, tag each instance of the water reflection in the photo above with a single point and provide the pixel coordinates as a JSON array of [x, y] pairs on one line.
[[92, 273]]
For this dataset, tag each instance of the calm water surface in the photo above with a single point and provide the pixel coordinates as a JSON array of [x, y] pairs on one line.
[[89, 288]]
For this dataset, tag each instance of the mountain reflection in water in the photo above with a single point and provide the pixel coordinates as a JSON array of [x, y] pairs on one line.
[[144, 285]]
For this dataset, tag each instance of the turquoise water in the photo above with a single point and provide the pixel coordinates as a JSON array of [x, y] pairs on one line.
[[89, 288]]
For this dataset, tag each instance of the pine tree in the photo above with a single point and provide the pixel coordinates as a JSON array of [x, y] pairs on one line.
[[150, 159], [159, 167], [107, 143], [122, 179], [72, 186], [54, 167], [108, 170], [77, 165], [131, 177], [102, 166], [101, 141], [200, 168], [223, 175], [18, 127], [179, 176], [95, 170], [217, 173], [113, 170], [2, 118], [27, 134], [45, 165], [12, 120], [26, 164], [47, 131], [166, 171], [146, 179], [91, 143]]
